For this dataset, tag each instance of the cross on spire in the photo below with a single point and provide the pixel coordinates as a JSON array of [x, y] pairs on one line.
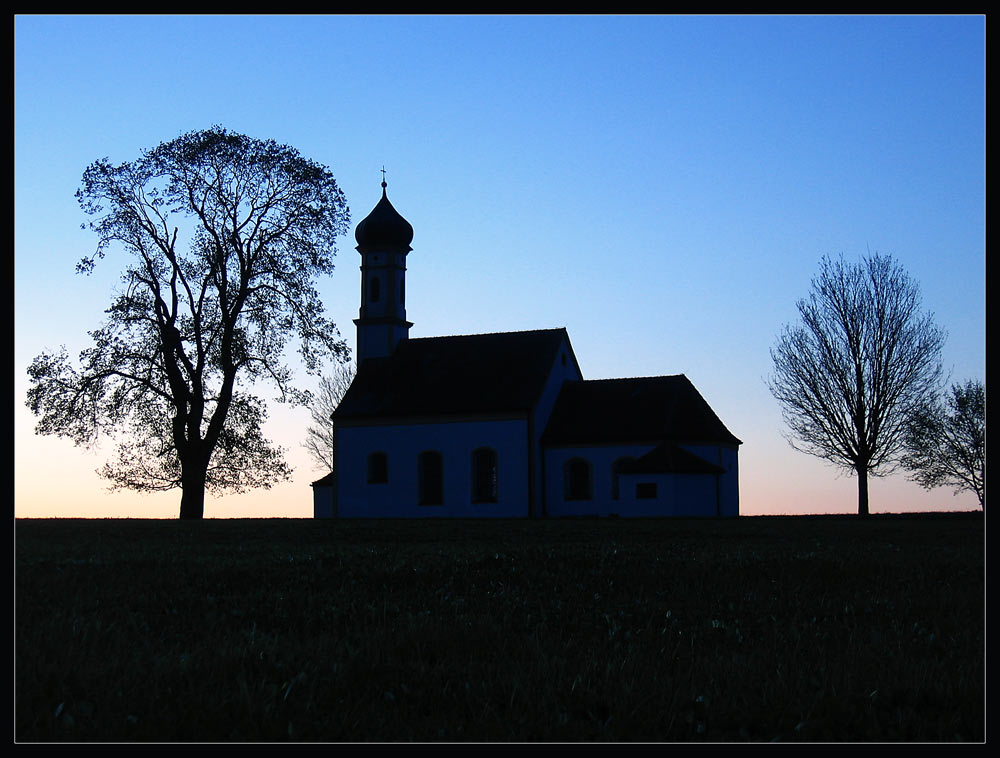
[[383, 177]]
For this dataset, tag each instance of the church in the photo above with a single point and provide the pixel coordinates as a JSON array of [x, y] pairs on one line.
[[504, 425]]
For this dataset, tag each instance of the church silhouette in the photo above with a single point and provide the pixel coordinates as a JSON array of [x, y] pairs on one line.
[[504, 425]]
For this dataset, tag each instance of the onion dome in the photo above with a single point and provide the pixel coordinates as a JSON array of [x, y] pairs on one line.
[[384, 229]]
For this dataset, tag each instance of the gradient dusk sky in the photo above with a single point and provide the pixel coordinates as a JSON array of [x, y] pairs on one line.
[[663, 187]]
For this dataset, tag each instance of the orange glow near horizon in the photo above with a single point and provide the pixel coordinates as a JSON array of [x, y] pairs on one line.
[[53, 479]]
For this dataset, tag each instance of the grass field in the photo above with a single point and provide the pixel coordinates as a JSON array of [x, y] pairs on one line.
[[750, 629]]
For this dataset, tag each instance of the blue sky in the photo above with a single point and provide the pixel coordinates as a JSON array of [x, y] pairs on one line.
[[662, 186]]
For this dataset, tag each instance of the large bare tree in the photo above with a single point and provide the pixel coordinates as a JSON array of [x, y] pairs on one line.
[[223, 236], [851, 374]]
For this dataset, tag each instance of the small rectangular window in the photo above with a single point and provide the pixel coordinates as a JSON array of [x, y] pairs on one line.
[[645, 490]]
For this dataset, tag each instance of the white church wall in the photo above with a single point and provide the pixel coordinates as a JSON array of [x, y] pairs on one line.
[[456, 442], [680, 494], [675, 495], [601, 459], [726, 456], [323, 501], [564, 368]]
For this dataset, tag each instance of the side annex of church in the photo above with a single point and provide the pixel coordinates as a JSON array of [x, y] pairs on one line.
[[504, 424]]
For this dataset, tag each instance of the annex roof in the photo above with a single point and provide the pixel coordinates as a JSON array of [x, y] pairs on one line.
[[464, 374], [670, 458], [327, 481], [654, 408]]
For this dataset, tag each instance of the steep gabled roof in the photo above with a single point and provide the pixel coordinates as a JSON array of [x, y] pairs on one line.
[[654, 408], [466, 374]]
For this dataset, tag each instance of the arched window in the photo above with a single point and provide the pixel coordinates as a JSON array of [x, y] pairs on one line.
[[378, 468], [430, 478], [616, 470], [374, 289], [577, 482], [484, 475]]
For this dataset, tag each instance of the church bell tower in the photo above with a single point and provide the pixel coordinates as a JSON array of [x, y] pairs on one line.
[[383, 238]]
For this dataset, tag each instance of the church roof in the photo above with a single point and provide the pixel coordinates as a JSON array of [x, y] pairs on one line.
[[383, 229], [465, 374], [652, 408], [327, 481], [669, 458]]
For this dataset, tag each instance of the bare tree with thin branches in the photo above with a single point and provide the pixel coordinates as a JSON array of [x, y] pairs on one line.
[[319, 435], [946, 441], [851, 374]]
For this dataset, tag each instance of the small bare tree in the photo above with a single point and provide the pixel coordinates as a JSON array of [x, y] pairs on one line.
[[946, 441], [319, 436], [850, 376]]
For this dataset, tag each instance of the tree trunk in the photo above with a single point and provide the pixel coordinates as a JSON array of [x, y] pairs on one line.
[[862, 491], [193, 491]]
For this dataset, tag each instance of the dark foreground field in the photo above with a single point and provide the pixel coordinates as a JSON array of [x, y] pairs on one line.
[[816, 629]]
